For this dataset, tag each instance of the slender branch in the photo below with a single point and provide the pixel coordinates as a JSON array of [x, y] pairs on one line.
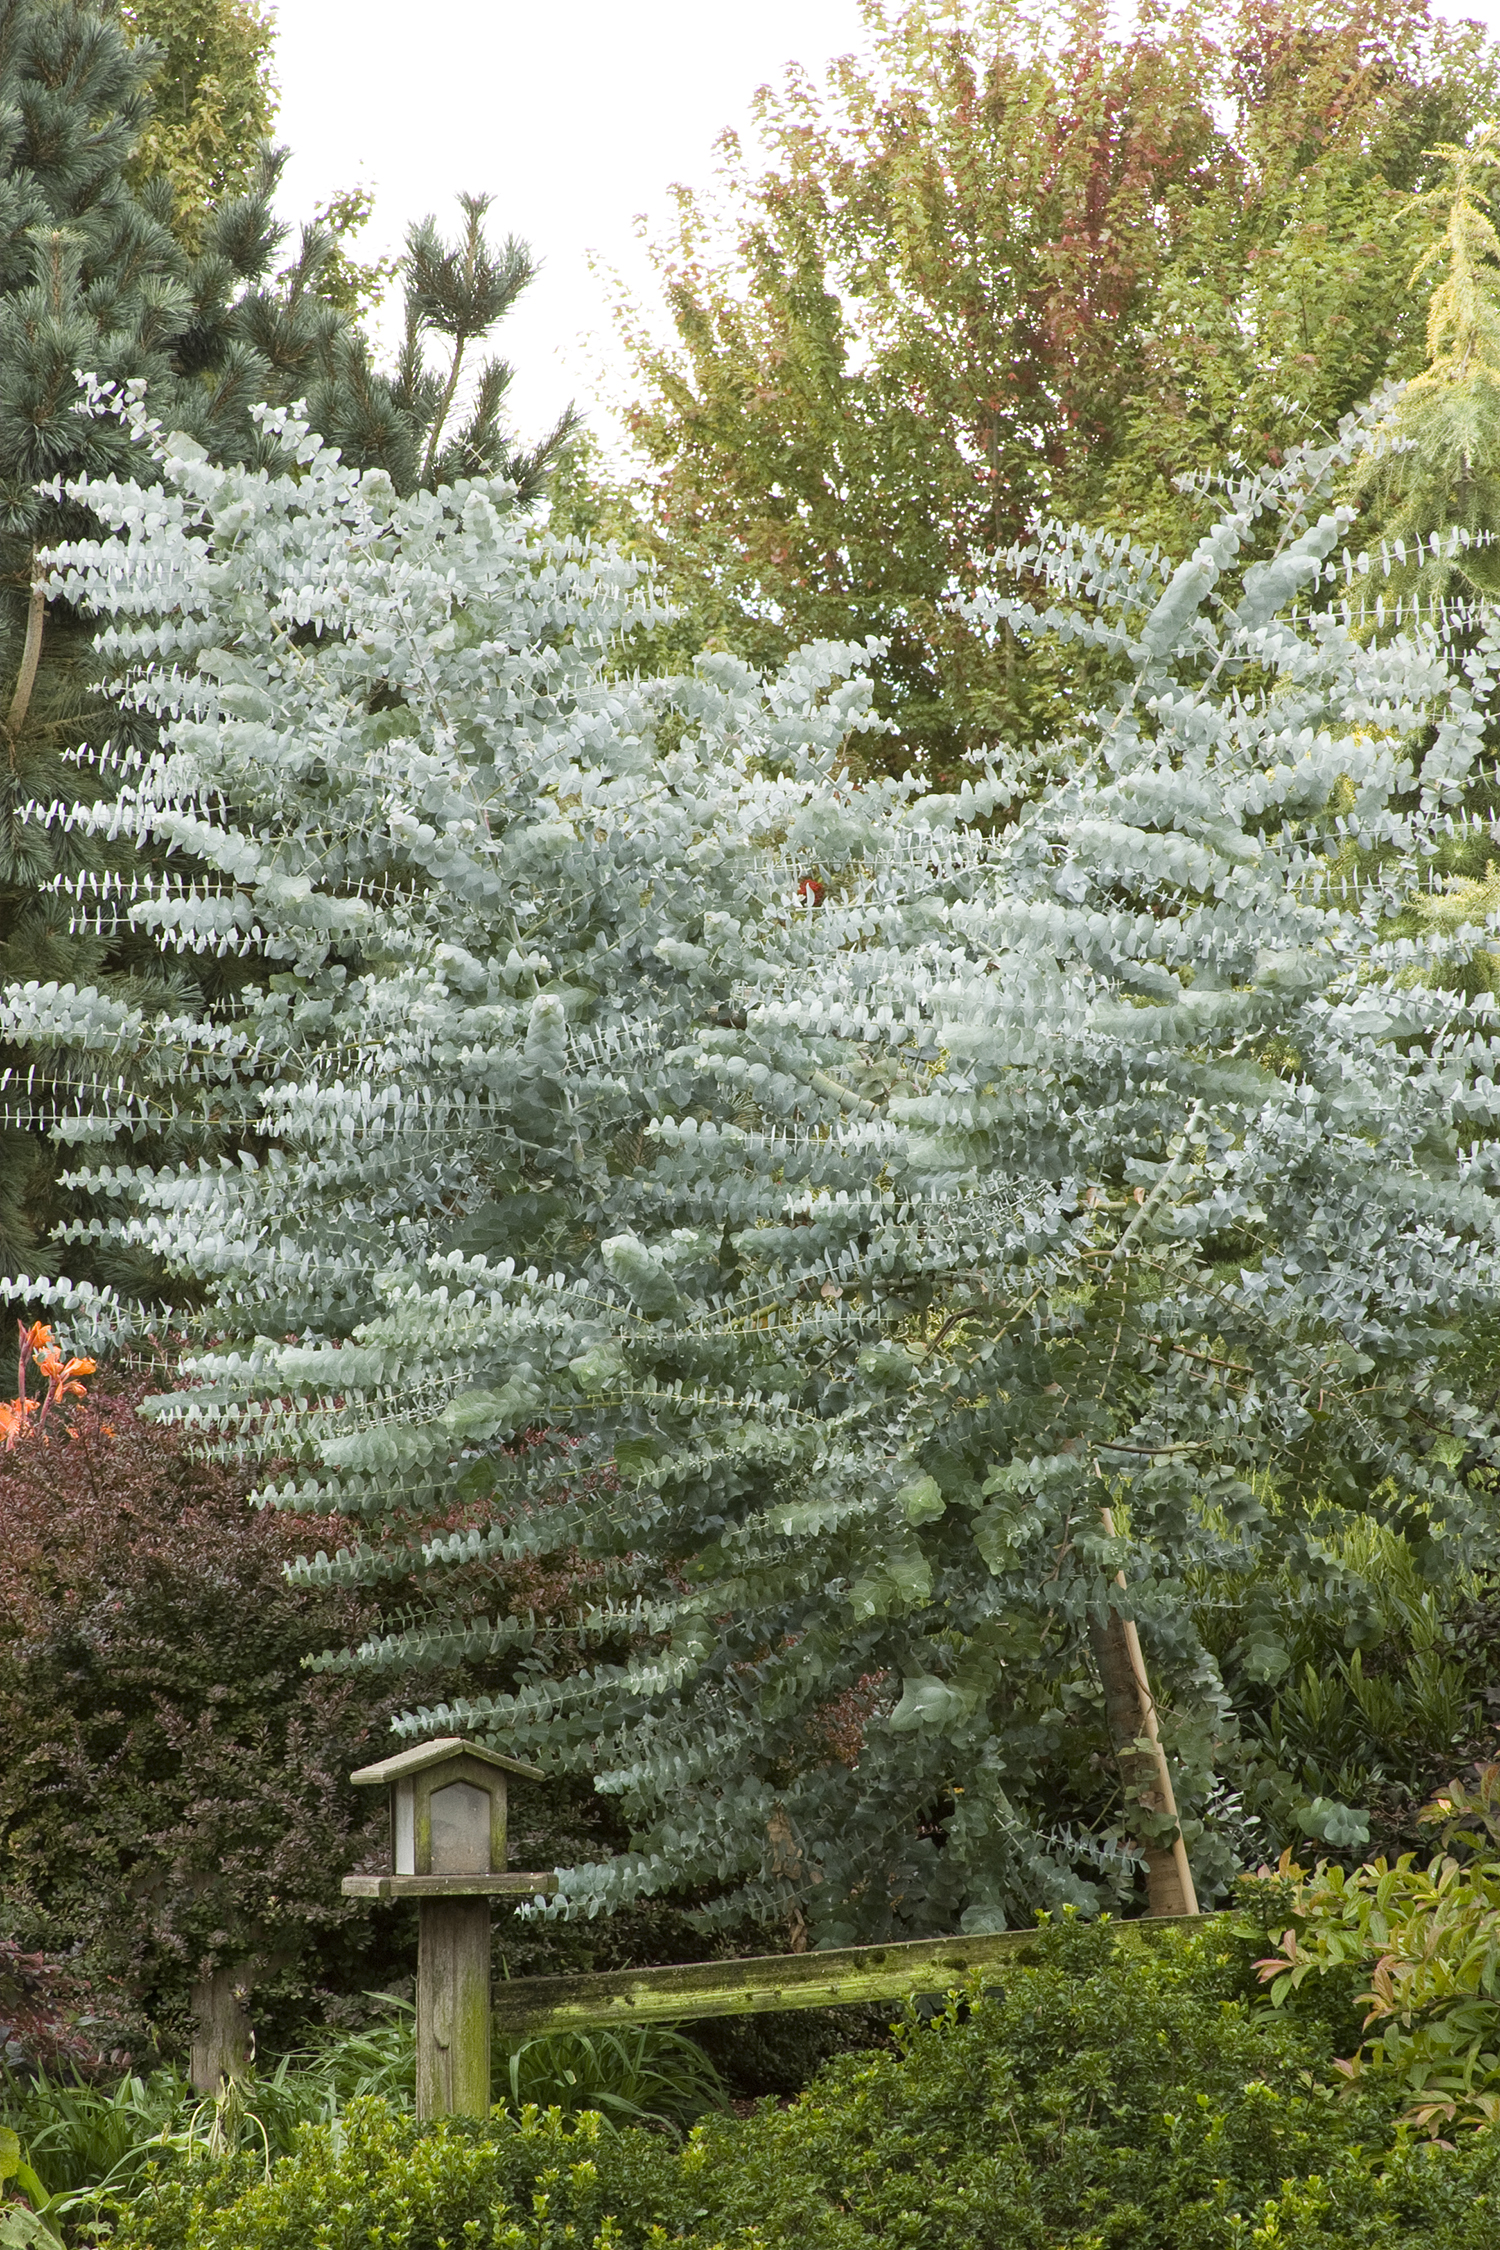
[[1186, 1352], [949, 1325], [1152, 1452], [440, 419], [1114, 1351]]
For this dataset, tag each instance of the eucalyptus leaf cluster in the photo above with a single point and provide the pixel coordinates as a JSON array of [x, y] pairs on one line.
[[841, 1229]]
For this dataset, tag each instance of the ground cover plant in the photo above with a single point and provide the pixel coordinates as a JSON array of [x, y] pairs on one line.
[[1105, 2095], [1074, 2097], [89, 2142]]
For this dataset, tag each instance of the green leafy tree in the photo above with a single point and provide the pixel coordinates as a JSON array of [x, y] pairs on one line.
[[1441, 466], [214, 97], [1436, 468], [355, 285], [1010, 266], [214, 100], [890, 1254]]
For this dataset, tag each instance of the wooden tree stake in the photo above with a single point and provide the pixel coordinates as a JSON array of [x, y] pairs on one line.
[[1130, 1711]]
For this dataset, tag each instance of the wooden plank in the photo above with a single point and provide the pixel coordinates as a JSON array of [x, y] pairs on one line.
[[773, 1981], [453, 2008], [448, 1886]]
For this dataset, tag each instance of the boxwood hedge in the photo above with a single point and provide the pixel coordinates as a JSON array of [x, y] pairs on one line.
[[1105, 2099]]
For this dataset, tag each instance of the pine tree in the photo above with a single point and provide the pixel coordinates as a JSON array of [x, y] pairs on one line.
[[93, 278], [895, 1252], [456, 294]]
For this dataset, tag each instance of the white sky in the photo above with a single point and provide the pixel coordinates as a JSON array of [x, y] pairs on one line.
[[574, 117]]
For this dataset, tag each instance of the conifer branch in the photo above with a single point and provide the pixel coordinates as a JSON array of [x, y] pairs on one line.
[[440, 418]]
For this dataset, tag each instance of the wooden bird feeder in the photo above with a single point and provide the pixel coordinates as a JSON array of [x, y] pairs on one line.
[[447, 1804]]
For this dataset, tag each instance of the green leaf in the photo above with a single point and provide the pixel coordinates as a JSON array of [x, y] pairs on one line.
[[927, 1702], [633, 1456], [1341, 1827], [921, 1501]]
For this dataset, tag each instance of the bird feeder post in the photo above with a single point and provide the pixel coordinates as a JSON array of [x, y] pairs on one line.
[[448, 1852], [453, 2007]]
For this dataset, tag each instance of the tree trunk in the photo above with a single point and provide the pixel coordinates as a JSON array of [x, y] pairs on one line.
[[221, 2030], [1130, 1712], [31, 656]]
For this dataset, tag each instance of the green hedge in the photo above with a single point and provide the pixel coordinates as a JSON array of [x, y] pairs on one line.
[[1105, 2098]]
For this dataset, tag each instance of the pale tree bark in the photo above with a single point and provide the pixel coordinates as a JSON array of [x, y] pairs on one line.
[[222, 2037], [31, 657], [1130, 1713]]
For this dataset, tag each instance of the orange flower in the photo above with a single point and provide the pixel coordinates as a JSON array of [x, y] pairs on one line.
[[15, 1419], [60, 1375]]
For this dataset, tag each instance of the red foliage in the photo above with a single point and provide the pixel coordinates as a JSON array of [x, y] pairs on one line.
[[173, 1782], [44, 2011]]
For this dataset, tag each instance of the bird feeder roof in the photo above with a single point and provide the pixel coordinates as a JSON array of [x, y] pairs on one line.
[[437, 1753]]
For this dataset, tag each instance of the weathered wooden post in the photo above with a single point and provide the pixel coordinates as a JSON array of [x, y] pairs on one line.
[[222, 2036], [448, 1852]]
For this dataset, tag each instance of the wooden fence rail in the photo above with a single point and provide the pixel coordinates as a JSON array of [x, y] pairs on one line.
[[772, 1981]]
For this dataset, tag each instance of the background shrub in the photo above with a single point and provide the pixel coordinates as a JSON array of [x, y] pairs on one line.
[[47, 2015], [173, 1785], [1107, 2096]]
